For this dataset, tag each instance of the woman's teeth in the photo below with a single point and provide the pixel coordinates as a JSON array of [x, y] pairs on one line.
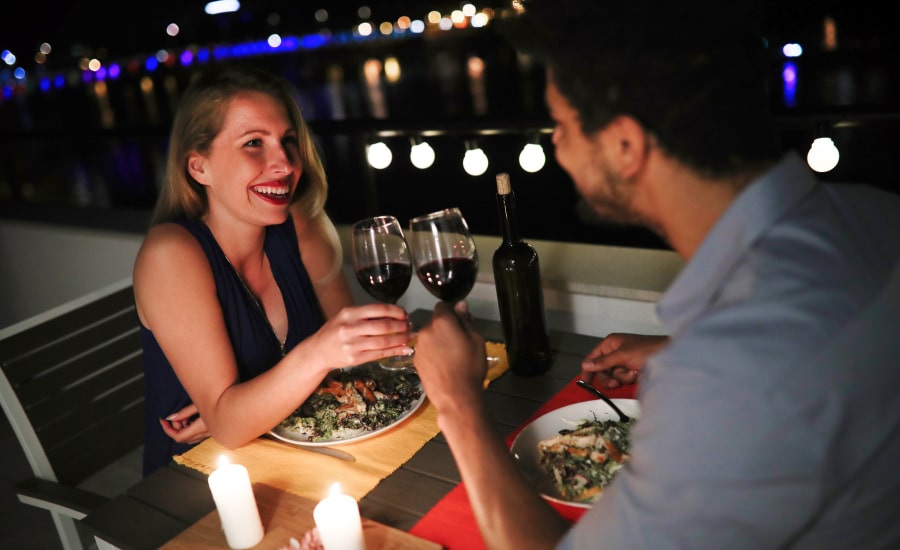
[[272, 192]]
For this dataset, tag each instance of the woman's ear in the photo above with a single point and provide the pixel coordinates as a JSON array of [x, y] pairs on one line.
[[196, 166]]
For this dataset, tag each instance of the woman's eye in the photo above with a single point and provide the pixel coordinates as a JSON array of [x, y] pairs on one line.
[[253, 143]]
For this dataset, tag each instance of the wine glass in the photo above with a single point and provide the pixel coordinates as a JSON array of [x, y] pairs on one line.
[[444, 254], [381, 261]]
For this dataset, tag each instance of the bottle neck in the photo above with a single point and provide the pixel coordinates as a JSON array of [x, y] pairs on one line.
[[509, 228]]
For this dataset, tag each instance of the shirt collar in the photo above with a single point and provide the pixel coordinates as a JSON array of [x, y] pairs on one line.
[[756, 208]]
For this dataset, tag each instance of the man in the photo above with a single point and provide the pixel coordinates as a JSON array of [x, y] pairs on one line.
[[771, 416]]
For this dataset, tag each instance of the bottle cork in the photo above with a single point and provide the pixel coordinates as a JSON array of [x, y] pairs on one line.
[[503, 185]]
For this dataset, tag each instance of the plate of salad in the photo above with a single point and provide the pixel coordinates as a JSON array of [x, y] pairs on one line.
[[570, 454], [353, 404]]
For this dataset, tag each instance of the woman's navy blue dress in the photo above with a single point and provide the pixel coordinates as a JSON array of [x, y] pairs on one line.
[[256, 347]]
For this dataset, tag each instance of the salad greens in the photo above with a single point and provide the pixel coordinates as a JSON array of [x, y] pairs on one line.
[[354, 401]]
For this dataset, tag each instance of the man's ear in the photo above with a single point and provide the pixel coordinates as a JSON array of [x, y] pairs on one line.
[[629, 140], [196, 166]]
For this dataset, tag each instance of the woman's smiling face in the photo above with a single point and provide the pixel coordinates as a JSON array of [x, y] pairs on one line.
[[253, 164]]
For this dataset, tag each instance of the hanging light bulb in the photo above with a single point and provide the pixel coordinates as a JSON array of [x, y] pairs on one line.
[[823, 155], [421, 154], [532, 157], [379, 155], [475, 162]]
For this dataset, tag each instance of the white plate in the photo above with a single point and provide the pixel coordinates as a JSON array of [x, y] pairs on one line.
[[525, 447], [296, 439]]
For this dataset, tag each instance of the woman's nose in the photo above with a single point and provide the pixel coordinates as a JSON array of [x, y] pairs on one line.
[[280, 161]]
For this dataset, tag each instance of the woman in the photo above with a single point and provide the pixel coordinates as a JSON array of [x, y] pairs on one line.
[[238, 284]]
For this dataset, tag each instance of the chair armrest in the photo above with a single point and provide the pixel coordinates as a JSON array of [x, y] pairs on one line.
[[55, 497]]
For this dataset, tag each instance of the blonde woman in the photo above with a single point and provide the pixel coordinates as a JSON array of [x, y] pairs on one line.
[[238, 284]]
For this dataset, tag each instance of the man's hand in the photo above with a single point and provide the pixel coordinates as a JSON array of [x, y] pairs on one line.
[[450, 357], [619, 358]]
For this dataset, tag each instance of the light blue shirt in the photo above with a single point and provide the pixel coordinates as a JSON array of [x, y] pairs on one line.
[[772, 419]]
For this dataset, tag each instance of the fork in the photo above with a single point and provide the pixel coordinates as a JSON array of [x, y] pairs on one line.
[[622, 416]]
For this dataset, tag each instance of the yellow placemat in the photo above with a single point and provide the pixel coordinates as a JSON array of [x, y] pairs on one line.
[[500, 365], [309, 474]]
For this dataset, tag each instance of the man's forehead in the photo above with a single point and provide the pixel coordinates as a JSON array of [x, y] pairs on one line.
[[556, 101]]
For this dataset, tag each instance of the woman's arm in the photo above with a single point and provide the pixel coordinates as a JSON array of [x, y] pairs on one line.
[[176, 299]]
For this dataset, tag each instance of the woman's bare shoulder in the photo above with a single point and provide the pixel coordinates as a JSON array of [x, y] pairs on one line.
[[165, 239], [171, 271], [168, 248]]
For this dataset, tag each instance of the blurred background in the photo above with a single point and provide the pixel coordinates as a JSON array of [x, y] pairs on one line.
[[87, 93]]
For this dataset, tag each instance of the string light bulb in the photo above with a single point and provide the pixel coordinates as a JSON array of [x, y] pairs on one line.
[[475, 162], [421, 154], [379, 155], [823, 155], [532, 157]]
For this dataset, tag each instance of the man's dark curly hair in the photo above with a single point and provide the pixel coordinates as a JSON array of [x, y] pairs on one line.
[[692, 73]]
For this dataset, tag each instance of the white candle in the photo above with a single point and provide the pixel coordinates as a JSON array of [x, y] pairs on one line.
[[338, 522], [233, 495]]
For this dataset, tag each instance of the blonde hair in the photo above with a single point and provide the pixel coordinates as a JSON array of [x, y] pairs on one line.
[[198, 120]]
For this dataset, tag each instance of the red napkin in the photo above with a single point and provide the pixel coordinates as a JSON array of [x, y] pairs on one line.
[[451, 522]]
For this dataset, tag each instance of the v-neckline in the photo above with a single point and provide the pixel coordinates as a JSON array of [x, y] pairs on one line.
[[282, 343]]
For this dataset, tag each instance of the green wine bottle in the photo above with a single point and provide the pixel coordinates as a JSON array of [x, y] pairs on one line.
[[520, 295]]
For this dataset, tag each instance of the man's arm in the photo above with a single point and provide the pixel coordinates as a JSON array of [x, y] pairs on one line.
[[451, 362]]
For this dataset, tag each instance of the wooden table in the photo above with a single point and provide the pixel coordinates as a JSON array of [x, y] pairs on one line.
[[174, 498]]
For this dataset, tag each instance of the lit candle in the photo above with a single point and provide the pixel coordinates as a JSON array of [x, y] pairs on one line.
[[233, 495], [338, 522]]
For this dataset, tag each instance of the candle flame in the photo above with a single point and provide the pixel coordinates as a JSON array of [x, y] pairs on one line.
[[223, 461], [335, 489]]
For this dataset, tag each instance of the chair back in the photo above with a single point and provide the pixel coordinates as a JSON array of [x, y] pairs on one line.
[[72, 385]]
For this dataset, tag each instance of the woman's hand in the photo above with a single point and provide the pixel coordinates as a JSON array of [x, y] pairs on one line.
[[185, 426], [360, 334], [619, 358]]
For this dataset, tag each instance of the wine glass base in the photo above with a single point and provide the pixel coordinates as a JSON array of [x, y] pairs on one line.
[[397, 362]]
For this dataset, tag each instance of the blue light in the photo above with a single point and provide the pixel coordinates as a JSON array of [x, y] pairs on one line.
[[222, 52], [345, 37], [248, 49], [187, 57], [45, 84], [19, 73], [789, 89], [59, 81], [101, 73], [289, 44], [151, 64], [115, 71], [313, 41], [203, 55]]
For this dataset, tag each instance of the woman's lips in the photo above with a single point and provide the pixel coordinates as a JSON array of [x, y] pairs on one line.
[[275, 194]]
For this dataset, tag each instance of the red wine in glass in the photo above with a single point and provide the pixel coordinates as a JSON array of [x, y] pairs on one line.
[[385, 282], [444, 254], [449, 279], [381, 261]]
